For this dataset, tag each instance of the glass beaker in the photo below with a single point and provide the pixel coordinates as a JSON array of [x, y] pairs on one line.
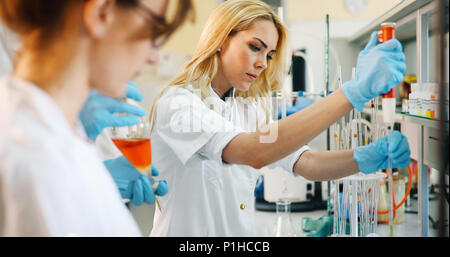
[[284, 226], [399, 191]]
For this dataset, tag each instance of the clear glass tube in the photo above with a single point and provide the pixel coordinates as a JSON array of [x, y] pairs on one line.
[[356, 211], [390, 188]]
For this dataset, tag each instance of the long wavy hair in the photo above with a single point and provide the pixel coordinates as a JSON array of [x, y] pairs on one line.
[[230, 18]]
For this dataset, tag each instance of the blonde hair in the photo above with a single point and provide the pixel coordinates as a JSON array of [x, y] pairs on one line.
[[228, 19]]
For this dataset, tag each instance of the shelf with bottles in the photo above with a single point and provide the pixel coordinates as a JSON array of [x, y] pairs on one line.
[[427, 122], [401, 116], [424, 100]]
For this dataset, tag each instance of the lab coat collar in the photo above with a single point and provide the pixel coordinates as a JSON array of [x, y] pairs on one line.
[[229, 103], [227, 99]]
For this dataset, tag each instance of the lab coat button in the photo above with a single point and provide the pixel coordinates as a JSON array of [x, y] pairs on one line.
[[242, 206]]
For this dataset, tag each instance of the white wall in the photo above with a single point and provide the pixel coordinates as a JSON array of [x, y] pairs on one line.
[[315, 10], [311, 35]]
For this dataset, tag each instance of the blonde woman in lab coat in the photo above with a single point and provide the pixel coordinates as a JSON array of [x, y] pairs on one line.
[[212, 130], [52, 181]]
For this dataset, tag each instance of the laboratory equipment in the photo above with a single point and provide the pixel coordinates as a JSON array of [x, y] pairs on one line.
[[137, 151], [99, 111], [321, 227], [327, 88], [355, 198], [405, 106], [311, 94], [134, 143], [355, 209], [425, 100], [276, 183], [387, 32], [431, 47], [285, 226], [399, 194], [298, 101]]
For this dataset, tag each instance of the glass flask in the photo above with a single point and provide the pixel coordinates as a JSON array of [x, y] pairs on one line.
[[134, 143], [284, 227]]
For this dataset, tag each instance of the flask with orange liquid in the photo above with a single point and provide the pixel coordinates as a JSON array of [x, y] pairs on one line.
[[138, 152], [134, 143]]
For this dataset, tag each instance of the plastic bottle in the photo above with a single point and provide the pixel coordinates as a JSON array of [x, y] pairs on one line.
[[413, 99], [435, 101], [427, 100], [420, 100]]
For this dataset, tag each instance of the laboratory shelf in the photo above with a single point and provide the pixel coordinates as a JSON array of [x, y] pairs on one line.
[[399, 13], [423, 121], [417, 22], [409, 118]]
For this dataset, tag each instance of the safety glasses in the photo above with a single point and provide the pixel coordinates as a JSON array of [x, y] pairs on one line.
[[160, 31]]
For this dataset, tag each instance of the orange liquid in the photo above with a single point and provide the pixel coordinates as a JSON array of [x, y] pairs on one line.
[[137, 151]]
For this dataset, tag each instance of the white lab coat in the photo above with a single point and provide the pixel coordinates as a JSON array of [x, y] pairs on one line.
[[206, 196], [52, 182], [9, 44]]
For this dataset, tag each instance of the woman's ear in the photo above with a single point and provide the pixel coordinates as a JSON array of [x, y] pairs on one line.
[[224, 45], [98, 16]]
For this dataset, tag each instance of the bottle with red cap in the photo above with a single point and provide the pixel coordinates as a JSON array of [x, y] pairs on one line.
[[386, 33]]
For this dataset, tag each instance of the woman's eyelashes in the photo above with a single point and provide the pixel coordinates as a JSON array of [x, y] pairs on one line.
[[255, 48]]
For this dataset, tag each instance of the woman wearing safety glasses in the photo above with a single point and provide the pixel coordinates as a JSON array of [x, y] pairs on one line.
[[52, 182]]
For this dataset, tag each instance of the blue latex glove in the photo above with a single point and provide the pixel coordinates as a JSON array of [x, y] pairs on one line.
[[99, 111], [379, 68], [300, 104], [132, 184], [374, 157]]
